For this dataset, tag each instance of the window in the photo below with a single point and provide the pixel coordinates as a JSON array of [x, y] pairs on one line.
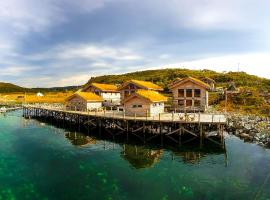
[[197, 93], [181, 93], [188, 103], [188, 92], [136, 106], [181, 102], [197, 103], [126, 93]]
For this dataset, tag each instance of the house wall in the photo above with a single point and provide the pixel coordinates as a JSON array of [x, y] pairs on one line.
[[130, 110], [148, 108], [94, 105], [110, 98], [156, 108], [76, 103], [128, 90], [190, 85], [79, 104]]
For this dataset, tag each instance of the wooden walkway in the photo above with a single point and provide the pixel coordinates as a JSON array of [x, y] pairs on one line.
[[171, 126]]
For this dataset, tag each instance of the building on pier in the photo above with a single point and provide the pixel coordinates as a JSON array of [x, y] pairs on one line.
[[189, 94], [83, 101], [132, 86], [109, 93], [144, 103]]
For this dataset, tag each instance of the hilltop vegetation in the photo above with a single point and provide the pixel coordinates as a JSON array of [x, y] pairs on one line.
[[163, 77], [8, 87], [252, 99], [12, 88]]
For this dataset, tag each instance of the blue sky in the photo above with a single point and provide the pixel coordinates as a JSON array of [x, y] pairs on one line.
[[65, 42]]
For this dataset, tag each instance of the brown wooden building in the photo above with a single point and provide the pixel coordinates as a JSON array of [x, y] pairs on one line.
[[132, 86], [189, 94], [83, 101]]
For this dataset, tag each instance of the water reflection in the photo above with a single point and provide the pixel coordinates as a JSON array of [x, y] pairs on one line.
[[143, 156], [79, 139]]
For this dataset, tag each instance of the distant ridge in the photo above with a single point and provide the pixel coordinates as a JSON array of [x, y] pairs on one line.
[[12, 88], [9, 87]]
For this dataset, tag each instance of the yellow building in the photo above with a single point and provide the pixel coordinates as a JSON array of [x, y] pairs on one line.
[[83, 101], [144, 103], [132, 86], [109, 93]]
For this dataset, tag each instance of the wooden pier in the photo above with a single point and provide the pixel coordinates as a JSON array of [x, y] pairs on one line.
[[178, 128]]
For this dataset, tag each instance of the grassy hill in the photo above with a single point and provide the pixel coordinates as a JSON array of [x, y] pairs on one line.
[[163, 77], [9, 88], [253, 98], [12, 88]]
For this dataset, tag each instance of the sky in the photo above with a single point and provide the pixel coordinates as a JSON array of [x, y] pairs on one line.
[[65, 42]]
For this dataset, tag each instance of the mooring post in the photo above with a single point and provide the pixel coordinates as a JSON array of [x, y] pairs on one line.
[[127, 129], [201, 135], [222, 136], [180, 134]]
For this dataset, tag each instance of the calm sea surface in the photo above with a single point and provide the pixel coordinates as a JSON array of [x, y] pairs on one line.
[[40, 161]]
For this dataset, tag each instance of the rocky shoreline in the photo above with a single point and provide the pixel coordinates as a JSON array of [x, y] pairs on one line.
[[250, 128]]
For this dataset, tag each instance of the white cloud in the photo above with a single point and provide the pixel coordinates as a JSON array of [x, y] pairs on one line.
[[15, 70], [88, 52], [254, 63]]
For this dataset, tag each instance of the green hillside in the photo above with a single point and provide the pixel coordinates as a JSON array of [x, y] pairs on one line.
[[163, 77], [8, 88], [254, 96], [11, 88]]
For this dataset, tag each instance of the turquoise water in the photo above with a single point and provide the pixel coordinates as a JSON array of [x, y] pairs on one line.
[[39, 161]]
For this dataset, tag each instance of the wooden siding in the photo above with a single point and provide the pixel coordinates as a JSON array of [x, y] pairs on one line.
[[190, 85], [147, 108], [77, 103]]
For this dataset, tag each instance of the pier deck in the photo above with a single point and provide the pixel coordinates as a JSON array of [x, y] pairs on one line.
[[168, 125]]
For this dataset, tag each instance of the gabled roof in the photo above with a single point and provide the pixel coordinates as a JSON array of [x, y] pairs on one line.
[[232, 87], [144, 84], [88, 96], [194, 80], [149, 95], [208, 79], [103, 87]]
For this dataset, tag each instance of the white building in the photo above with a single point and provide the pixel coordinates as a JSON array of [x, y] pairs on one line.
[[39, 94], [84, 101], [144, 103], [109, 93]]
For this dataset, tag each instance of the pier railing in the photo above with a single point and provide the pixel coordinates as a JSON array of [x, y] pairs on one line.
[[208, 118]]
